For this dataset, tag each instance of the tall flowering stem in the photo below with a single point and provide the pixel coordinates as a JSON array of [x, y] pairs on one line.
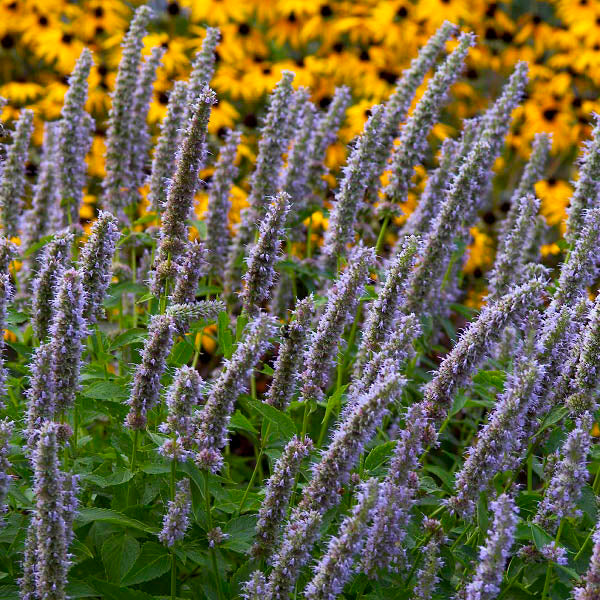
[[260, 275], [192, 268], [217, 215], [335, 568], [180, 196], [277, 497], [6, 431], [203, 67], [591, 582], [349, 197], [587, 187], [493, 556], [140, 135], [53, 261], [341, 307], [289, 359], [214, 417], [54, 507], [6, 295], [146, 381], [163, 161], [569, 476], [74, 137], [413, 139], [119, 181], [67, 330], [176, 520], [95, 263], [12, 179]]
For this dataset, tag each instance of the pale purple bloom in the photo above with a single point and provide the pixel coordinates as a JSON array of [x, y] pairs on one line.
[[176, 520]]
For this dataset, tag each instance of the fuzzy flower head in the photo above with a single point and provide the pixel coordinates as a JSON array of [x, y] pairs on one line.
[[176, 520]]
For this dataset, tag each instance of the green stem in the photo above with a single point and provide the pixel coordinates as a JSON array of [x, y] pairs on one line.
[[213, 556], [549, 568], [381, 236], [198, 348], [256, 468], [587, 540], [136, 435], [173, 558], [309, 238], [529, 472], [596, 484]]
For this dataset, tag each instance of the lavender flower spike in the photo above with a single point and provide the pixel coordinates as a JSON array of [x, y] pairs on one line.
[[67, 330], [475, 343], [177, 520], [214, 417], [163, 161], [493, 556], [413, 140], [426, 279], [12, 180], [569, 476], [255, 587], [53, 261], [335, 567], [397, 492], [38, 220], [41, 393], [427, 578], [324, 135], [146, 381], [340, 308], [353, 432], [293, 554], [494, 450], [260, 275], [274, 139], [140, 136], [580, 266], [587, 186], [203, 67], [203, 310], [180, 197], [6, 431], [531, 174], [74, 139], [591, 582], [587, 372], [421, 218], [509, 265], [399, 102], [384, 311], [52, 514], [217, 214], [286, 375], [95, 263], [118, 183], [189, 273], [294, 179], [349, 197], [183, 396], [6, 294], [277, 497]]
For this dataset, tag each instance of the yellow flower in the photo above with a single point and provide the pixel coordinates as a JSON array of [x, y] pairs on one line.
[[554, 195], [480, 251]]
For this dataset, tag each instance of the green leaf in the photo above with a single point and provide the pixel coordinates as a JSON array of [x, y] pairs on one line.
[[241, 531], [224, 337], [89, 515], [492, 378], [540, 537], [279, 420], [110, 591], [119, 554], [153, 561], [106, 390], [9, 592], [483, 519], [240, 422], [379, 455], [38, 245], [80, 551], [80, 589], [128, 337], [334, 402]]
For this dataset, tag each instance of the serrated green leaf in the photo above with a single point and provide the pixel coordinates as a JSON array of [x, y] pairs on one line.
[[540, 537], [119, 554], [154, 560], [279, 420], [106, 390], [109, 591], [240, 422], [89, 515], [379, 455]]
